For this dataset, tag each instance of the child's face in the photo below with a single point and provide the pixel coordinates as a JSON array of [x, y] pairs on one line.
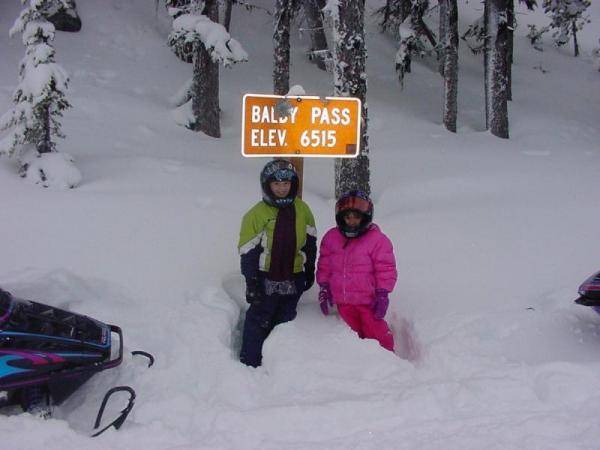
[[352, 219], [280, 189]]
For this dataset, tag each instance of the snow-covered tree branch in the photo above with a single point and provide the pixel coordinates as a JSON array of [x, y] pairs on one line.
[[198, 28], [198, 37]]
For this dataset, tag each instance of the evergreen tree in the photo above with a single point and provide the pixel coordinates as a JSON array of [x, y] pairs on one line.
[[39, 101], [567, 19], [350, 56], [39, 98]]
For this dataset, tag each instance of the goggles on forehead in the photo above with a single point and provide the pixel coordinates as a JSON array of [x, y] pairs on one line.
[[283, 174], [356, 203]]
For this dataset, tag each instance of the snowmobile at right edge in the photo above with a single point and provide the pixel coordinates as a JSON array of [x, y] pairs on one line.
[[589, 293]]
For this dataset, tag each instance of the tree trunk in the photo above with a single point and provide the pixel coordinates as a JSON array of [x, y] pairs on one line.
[[575, 44], [227, 14], [450, 61], [281, 44], [496, 48], [205, 84], [314, 20], [350, 80], [510, 17], [45, 145], [443, 5], [281, 67]]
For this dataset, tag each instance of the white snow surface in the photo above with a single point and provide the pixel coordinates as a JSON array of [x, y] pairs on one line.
[[492, 239]]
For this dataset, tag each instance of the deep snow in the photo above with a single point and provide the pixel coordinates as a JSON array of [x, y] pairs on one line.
[[492, 239]]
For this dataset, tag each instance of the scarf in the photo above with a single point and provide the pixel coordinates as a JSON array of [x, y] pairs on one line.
[[284, 245]]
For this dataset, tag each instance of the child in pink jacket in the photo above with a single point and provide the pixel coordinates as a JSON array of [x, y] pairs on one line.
[[357, 269]]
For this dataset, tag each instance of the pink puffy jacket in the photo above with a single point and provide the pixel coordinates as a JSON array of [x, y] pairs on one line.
[[355, 267]]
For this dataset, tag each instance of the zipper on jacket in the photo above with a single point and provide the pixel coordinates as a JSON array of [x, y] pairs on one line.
[[344, 271]]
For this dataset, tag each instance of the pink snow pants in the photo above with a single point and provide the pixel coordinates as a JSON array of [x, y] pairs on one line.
[[360, 318]]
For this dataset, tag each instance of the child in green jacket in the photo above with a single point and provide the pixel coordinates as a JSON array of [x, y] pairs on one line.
[[278, 246]]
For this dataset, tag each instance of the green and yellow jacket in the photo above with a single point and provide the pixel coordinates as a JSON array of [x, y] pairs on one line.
[[256, 239]]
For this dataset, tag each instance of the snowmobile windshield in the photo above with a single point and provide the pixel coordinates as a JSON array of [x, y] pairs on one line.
[[592, 284]]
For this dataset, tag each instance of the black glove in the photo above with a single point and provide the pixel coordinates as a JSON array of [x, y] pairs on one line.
[[253, 292], [309, 276]]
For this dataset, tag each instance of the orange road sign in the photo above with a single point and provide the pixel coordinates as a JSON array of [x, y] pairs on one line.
[[300, 126]]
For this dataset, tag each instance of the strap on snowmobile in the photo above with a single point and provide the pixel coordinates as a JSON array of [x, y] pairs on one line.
[[122, 416]]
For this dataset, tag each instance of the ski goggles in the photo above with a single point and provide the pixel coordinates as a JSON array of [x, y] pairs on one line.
[[283, 175], [358, 202], [279, 170]]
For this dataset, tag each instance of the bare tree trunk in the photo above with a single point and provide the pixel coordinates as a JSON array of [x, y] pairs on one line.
[[314, 20], [496, 48], [227, 14], [510, 17], [450, 60], [575, 44], [443, 24], [350, 57], [281, 44], [205, 84]]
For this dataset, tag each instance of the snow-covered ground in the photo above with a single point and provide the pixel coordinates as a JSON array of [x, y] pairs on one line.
[[492, 239]]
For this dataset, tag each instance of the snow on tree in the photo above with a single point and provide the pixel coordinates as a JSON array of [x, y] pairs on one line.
[[64, 16], [408, 43], [474, 36], [405, 19], [39, 101], [197, 25], [567, 18]]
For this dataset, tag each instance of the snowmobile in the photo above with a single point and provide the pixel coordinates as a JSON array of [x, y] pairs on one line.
[[589, 292], [47, 353]]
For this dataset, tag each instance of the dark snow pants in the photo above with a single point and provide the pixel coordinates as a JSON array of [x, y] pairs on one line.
[[261, 318]]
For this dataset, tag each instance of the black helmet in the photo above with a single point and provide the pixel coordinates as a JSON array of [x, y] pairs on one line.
[[355, 201], [278, 170]]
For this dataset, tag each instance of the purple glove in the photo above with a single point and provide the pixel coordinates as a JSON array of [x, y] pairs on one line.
[[381, 303], [325, 298]]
